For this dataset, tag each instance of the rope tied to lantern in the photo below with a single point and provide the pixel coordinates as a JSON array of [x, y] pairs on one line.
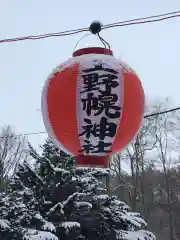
[[95, 29]]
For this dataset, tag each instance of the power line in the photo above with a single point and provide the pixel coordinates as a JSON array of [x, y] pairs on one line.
[[145, 116], [162, 112], [143, 20]]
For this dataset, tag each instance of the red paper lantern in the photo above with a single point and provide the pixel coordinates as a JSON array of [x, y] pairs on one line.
[[93, 105]]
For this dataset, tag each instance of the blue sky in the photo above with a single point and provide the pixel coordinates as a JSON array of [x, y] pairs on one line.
[[151, 49]]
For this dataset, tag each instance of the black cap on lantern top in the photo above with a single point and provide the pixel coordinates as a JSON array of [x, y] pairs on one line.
[[95, 27]]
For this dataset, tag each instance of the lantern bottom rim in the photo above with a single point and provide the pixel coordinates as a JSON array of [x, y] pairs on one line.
[[91, 160]]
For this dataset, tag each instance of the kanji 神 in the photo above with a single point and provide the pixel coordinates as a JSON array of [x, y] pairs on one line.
[[103, 102], [92, 79], [99, 148], [102, 130]]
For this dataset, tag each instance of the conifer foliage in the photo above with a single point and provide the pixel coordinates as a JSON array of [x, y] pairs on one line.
[[54, 200]]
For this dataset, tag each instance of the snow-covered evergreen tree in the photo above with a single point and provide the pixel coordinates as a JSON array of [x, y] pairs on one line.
[[56, 201]]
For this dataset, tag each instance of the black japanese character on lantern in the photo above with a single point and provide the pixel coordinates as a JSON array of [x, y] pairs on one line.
[[90, 103], [107, 104], [102, 103], [90, 82], [101, 147], [87, 147], [92, 79], [102, 130]]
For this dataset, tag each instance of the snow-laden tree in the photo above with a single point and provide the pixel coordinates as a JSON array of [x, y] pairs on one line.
[[56, 200]]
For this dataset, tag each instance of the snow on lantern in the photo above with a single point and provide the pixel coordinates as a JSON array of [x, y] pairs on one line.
[[92, 106]]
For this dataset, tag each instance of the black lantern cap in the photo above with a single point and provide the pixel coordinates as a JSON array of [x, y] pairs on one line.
[[95, 27]]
